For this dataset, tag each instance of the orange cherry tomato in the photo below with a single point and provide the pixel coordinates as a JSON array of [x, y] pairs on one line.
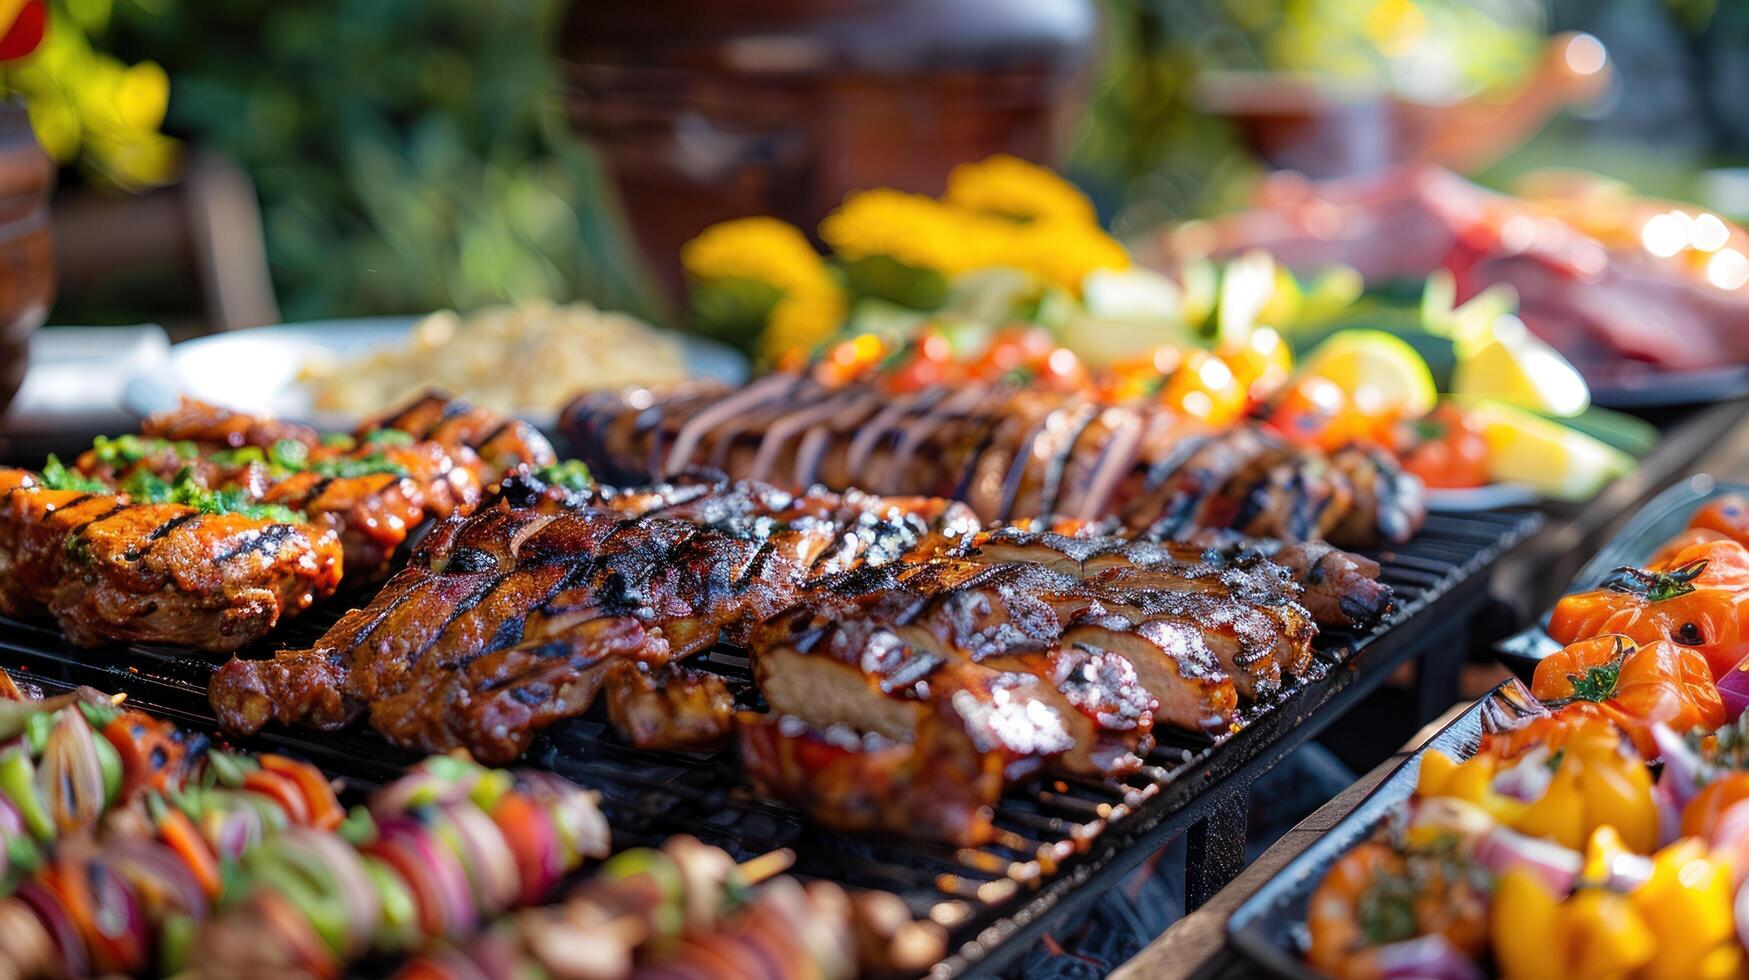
[[1261, 364], [1703, 812], [1315, 412], [1728, 515], [1684, 540], [1638, 686], [1697, 598], [1446, 449], [1138, 377], [1204, 388]]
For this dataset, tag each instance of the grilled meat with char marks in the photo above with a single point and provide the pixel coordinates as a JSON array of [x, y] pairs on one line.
[[198, 422], [1011, 453], [110, 570], [501, 443], [511, 619]]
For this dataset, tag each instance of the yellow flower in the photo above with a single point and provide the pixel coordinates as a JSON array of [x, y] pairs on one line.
[[762, 249], [911, 228], [1010, 187], [810, 306], [1062, 253]]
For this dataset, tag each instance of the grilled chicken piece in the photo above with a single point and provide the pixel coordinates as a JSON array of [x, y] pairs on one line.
[[110, 570], [940, 787], [1171, 661], [501, 444], [199, 422], [681, 709], [1011, 453]]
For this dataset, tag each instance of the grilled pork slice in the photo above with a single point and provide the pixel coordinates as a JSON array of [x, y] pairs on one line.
[[500, 443], [110, 570], [1389, 504], [1171, 661], [1338, 587], [939, 787]]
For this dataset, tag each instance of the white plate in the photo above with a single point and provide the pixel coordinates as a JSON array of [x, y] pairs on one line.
[[1490, 497], [256, 370]]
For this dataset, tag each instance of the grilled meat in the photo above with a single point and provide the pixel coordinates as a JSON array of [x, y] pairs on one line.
[[939, 787], [670, 709], [511, 619], [110, 570], [209, 425], [500, 443], [1010, 453]]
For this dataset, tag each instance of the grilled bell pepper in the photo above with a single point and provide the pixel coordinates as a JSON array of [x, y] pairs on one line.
[[1698, 598], [1563, 795], [1637, 686], [1687, 906]]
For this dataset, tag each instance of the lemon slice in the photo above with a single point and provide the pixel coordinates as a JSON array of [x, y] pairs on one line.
[[1527, 448], [1380, 371], [1514, 366]]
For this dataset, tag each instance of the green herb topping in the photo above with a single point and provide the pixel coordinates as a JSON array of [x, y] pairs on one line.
[[55, 476], [123, 450], [388, 437], [185, 490], [572, 475]]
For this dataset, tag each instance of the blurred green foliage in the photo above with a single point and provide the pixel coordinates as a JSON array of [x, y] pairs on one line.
[[1151, 156], [409, 154]]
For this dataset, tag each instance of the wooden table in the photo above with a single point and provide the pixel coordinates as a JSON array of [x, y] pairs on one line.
[[1713, 440]]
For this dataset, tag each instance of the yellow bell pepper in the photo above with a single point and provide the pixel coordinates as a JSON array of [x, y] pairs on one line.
[[1687, 906], [1596, 934], [1594, 784]]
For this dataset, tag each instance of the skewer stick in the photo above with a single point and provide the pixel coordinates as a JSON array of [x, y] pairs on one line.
[[755, 870]]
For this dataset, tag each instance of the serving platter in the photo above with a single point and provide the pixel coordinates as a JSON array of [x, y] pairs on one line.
[[256, 370], [1662, 518], [1268, 929]]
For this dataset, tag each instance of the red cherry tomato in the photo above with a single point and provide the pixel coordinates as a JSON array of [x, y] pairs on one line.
[[1448, 450]]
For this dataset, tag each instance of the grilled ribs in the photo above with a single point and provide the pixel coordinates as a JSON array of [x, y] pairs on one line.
[[112, 570], [1010, 453]]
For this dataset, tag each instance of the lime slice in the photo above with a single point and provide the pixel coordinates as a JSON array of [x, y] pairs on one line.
[[1380, 371], [1527, 448], [1516, 367]]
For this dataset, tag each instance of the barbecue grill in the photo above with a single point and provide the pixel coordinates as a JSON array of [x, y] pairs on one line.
[[1061, 842]]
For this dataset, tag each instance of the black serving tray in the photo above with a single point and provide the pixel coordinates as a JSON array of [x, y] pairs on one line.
[[1268, 929], [1663, 517]]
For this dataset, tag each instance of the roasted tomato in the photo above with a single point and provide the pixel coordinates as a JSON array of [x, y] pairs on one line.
[[1446, 449], [1698, 598], [1375, 896], [1638, 686], [1683, 541]]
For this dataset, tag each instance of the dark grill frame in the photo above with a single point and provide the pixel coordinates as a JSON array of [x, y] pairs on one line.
[[1063, 844]]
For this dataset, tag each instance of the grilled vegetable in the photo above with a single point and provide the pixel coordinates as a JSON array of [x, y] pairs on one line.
[[1698, 598]]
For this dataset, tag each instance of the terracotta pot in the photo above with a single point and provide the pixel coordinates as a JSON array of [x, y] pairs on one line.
[[705, 110], [26, 263]]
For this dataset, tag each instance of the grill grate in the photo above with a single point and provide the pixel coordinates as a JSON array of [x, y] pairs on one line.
[[1058, 839]]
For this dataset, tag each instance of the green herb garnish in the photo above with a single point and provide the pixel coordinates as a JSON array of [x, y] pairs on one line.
[[1387, 910], [339, 440], [238, 458], [123, 450], [187, 491], [350, 466], [289, 453], [388, 437], [572, 475], [56, 476]]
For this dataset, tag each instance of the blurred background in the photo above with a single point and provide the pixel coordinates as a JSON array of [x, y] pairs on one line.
[[226, 163]]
